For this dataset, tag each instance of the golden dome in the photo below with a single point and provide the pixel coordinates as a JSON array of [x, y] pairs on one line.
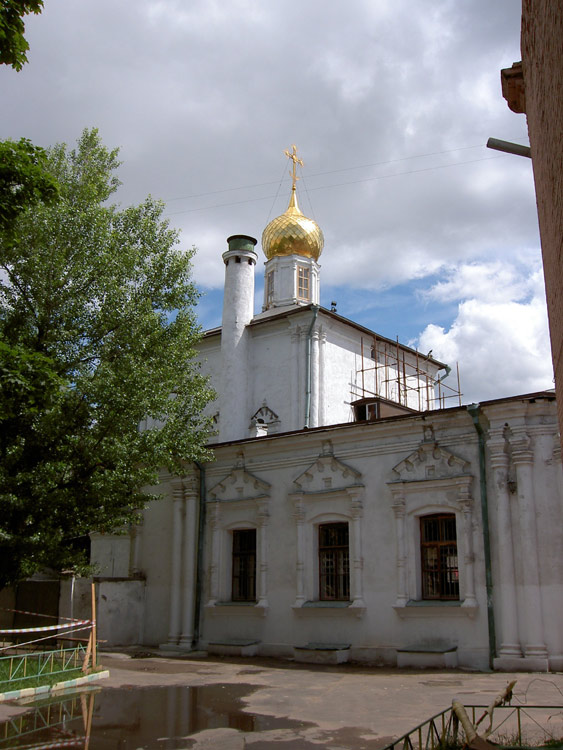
[[292, 233]]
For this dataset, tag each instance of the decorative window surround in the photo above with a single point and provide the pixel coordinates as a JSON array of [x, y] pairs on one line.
[[329, 491], [239, 501], [431, 480]]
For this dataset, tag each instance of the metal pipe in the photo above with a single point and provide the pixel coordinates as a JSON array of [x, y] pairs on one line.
[[473, 411], [509, 148], [199, 559], [308, 346]]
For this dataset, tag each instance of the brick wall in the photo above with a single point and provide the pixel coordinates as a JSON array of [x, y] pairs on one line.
[[542, 64]]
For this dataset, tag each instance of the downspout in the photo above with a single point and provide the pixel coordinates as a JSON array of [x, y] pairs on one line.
[[473, 411], [199, 559], [448, 370], [308, 348]]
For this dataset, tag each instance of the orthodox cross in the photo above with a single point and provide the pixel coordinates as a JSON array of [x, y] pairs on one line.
[[295, 159]]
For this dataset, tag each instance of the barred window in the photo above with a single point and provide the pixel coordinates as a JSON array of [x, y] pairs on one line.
[[334, 562], [438, 543], [244, 565], [303, 282]]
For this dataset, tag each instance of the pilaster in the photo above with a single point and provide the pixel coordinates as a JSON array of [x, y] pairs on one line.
[[189, 558], [533, 629], [465, 500], [174, 616], [214, 524], [299, 517], [509, 649], [314, 415], [263, 519], [399, 506], [357, 512]]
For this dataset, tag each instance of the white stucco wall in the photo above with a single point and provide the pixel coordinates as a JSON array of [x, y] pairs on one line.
[[255, 484], [275, 362], [379, 478]]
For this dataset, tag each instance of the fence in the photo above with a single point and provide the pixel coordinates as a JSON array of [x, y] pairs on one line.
[[520, 725], [70, 716], [24, 662], [27, 669]]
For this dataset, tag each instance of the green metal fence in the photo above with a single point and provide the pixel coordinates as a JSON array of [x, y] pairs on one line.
[[68, 714], [27, 668], [513, 726]]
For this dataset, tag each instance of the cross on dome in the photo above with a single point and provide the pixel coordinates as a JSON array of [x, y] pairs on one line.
[[296, 160], [292, 233]]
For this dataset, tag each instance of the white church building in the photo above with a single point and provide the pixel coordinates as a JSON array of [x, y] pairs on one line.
[[355, 509]]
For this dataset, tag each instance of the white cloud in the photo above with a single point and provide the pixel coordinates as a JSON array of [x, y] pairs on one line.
[[496, 280], [206, 95], [500, 334]]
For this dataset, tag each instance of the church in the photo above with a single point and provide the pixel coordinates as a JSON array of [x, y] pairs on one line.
[[355, 509]]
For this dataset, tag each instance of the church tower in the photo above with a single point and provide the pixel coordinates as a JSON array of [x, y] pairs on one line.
[[292, 244]]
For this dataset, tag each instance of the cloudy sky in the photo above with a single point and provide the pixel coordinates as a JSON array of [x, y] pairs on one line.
[[429, 235]]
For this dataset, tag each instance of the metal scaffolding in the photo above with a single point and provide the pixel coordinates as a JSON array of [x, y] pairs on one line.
[[405, 377]]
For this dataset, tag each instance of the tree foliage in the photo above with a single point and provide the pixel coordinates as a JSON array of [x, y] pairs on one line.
[[13, 44], [96, 306], [24, 180]]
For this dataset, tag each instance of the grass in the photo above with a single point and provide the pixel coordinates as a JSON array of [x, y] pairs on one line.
[[33, 678]]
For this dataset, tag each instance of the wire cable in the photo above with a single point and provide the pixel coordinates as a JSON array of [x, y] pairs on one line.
[[320, 174], [338, 184]]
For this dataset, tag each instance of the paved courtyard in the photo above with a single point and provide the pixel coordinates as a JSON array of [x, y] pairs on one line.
[[325, 706]]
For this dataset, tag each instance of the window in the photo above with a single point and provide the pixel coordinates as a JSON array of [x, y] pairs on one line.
[[244, 565], [334, 562], [303, 282], [366, 411], [438, 543], [269, 288]]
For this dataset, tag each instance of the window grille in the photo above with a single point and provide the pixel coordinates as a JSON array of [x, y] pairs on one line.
[[334, 562], [303, 282], [244, 565], [438, 543]]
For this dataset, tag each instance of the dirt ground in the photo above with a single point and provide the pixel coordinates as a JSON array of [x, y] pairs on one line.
[[337, 702]]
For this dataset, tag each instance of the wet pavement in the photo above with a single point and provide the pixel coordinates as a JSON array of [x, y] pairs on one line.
[[167, 703]]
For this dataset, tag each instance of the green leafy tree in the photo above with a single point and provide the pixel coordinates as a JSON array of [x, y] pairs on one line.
[[13, 44], [24, 180], [97, 308]]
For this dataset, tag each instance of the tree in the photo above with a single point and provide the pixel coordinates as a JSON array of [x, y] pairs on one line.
[[96, 307], [13, 44], [24, 180]]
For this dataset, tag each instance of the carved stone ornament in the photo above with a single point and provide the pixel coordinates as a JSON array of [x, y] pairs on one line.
[[327, 473], [429, 461], [240, 484]]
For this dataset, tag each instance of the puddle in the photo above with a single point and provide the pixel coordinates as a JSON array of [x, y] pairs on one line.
[[153, 718]]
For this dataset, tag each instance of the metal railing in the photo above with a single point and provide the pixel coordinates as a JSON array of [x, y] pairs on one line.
[[30, 667], [70, 715], [513, 726]]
